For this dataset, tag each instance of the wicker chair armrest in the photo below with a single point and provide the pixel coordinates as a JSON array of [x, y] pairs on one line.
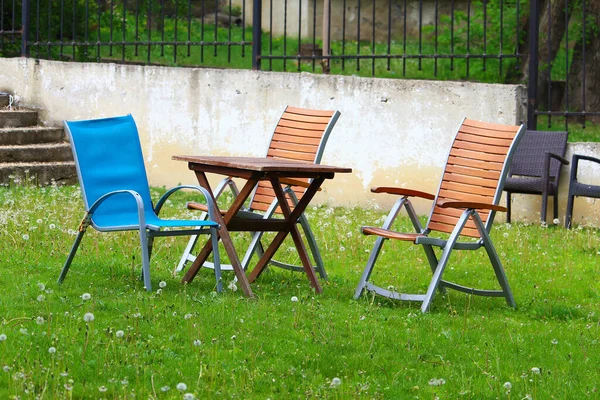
[[402, 192], [562, 160], [470, 204]]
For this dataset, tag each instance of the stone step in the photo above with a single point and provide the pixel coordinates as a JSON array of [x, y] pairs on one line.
[[62, 173], [36, 153], [18, 118], [31, 135]]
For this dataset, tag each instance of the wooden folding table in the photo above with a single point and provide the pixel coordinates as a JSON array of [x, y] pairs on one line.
[[254, 169]]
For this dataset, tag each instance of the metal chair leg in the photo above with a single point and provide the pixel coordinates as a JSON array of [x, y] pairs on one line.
[[65, 269]]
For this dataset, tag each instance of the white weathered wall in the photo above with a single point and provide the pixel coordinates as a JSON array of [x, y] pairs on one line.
[[391, 132]]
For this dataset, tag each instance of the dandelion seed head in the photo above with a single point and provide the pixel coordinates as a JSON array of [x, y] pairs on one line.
[[507, 385], [187, 316], [86, 296], [335, 382], [52, 226], [120, 334], [505, 234], [41, 298], [41, 286], [52, 350], [6, 368], [233, 337], [535, 370], [162, 284], [40, 320], [2, 337], [294, 299], [197, 342], [165, 389], [437, 381], [232, 286], [25, 236], [189, 396], [181, 386], [102, 389], [88, 317]]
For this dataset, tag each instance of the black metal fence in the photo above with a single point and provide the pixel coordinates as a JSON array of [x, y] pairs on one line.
[[551, 42]]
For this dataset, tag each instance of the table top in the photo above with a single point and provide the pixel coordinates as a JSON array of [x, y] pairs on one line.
[[261, 164]]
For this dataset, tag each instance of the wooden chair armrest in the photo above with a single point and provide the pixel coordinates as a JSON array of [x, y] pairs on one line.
[[403, 192], [192, 205], [470, 204], [295, 182]]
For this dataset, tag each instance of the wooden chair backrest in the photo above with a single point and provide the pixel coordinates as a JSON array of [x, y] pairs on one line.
[[300, 135], [475, 171]]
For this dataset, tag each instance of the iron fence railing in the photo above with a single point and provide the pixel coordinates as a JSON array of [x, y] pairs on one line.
[[482, 40]]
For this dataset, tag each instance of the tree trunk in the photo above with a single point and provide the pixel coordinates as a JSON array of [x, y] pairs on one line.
[[583, 86], [551, 31]]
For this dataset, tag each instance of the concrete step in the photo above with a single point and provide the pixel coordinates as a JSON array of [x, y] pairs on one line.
[[62, 173], [36, 153], [31, 135], [18, 118]]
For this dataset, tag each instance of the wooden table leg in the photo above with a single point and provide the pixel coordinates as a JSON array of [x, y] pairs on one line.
[[223, 235], [291, 217]]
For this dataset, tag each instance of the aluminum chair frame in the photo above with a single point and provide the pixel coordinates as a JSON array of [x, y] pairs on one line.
[[133, 204]]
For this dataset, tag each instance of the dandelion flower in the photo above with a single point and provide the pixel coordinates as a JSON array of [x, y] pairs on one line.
[[535, 370], [86, 296], [294, 299], [554, 341], [437, 382], [507, 385], [335, 382], [120, 334], [41, 298], [181, 386], [165, 389], [187, 316], [88, 317], [23, 331], [52, 350], [25, 236], [6, 368], [188, 396], [232, 286], [40, 320], [41, 286], [52, 226], [102, 388], [2, 337], [197, 342], [505, 234], [233, 337], [556, 221], [162, 284]]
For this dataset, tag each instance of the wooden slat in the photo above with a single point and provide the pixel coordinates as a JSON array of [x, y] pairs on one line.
[[467, 137], [315, 133], [305, 118], [301, 125], [370, 230], [469, 232], [477, 155], [470, 180], [300, 148], [490, 126], [307, 111], [469, 188], [465, 162], [473, 172], [313, 141], [481, 147], [291, 155], [453, 195]]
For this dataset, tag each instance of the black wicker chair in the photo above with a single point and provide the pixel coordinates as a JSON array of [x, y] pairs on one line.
[[579, 189], [535, 168]]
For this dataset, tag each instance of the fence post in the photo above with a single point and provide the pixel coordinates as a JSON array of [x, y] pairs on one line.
[[534, 22], [24, 28], [256, 33]]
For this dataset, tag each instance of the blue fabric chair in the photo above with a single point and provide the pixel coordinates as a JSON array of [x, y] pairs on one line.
[[116, 194]]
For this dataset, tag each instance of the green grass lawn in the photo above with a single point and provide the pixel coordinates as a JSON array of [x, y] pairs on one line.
[[186, 341]]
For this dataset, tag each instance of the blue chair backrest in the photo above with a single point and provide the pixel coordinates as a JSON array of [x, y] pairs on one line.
[[108, 156]]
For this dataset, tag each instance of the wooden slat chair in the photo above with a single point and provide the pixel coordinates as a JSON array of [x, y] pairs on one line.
[[464, 207], [300, 135]]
